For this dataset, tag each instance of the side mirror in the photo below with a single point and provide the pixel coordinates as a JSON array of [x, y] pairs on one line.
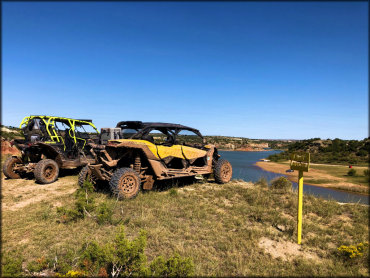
[[204, 141]]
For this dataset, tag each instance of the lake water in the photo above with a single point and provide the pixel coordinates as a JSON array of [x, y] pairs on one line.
[[244, 168]]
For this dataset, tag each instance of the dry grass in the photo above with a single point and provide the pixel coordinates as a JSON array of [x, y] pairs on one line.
[[236, 229]]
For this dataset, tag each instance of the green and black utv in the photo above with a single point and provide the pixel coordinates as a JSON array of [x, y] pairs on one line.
[[52, 143]]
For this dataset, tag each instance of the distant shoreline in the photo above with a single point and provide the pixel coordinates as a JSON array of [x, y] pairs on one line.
[[336, 183], [241, 150]]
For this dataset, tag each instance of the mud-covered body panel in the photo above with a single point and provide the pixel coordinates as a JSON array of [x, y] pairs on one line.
[[159, 151]]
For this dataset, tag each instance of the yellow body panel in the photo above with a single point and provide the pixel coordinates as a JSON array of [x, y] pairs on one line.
[[191, 153], [174, 151], [163, 151], [151, 146]]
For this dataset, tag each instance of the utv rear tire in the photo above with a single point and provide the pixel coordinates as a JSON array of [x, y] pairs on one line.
[[85, 175], [46, 171], [8, 167], [222, 171], [125, 183]]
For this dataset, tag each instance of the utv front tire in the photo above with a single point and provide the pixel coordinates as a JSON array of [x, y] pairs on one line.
[[125, 183], [9, 166], [222, 171], [46, 171]]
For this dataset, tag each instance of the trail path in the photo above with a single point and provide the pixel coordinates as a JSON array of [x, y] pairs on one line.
[[19, 193]]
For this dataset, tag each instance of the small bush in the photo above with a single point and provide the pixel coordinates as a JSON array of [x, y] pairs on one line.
[[352, 251], [351, 172], [84, 200], [83, 205], [173, 267], [262, 182], [281, 184], [173, 192], [94, 257], [129, 255], [367, 174], [63, 260], [104, 214], [11, 264], [123, 257], [38, 265]]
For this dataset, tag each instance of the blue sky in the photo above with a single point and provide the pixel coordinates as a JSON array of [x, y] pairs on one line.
[[258, 70]]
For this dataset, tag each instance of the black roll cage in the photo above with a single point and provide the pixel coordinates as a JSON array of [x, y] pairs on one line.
[[144, 129]]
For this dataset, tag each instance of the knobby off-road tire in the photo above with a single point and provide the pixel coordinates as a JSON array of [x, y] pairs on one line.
[[86, 175], [222, 171], [9, 165], [46, 171], [125, 183]]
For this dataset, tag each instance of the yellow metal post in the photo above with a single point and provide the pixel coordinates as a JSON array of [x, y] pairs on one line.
[[300, 162], [300, 205]]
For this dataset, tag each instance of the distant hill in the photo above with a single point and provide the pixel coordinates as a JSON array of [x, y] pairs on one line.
[[8, 132], [245, 144], [335, 151]]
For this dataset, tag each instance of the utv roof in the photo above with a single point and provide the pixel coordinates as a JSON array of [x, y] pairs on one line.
[[141, 125], [60, 118], [77, 122]]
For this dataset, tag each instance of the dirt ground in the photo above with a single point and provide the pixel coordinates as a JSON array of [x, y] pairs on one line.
[[285, 250], [7, 148], [336, 182], [19, 193]]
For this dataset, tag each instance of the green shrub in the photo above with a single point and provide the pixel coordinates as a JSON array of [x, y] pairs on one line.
[[367, 174], [351, 172], [94, 257], [68, 215], [262, 182], [173, 267], [173, 192], [33, 266], [11, 264], [38, 265], [281, 184], [63, 260], [129, 255], [84, 200], [123, 257], [104, 214], [84, 204]]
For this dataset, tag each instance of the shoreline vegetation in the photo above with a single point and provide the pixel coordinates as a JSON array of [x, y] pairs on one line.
[[324, 175], [236, 229], [246, 150], [337, 151]]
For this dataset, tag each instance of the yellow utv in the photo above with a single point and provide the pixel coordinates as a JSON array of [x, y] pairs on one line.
[[146, 152], [51, 143]]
